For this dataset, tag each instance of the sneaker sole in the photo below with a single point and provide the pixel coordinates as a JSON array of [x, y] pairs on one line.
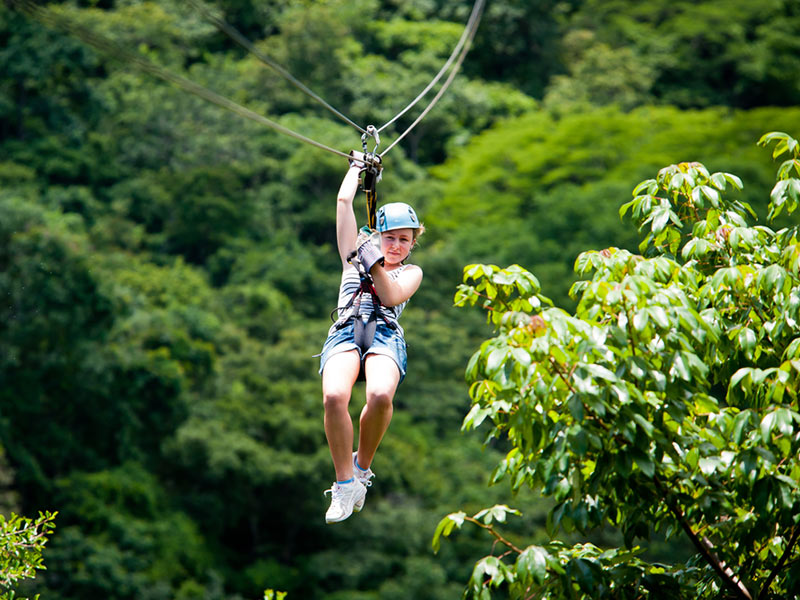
[[329, 521]]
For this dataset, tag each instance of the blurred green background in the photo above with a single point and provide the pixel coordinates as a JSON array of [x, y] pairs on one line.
[[167, 267]]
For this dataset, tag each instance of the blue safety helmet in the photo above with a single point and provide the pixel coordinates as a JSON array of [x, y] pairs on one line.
[[396, 215]]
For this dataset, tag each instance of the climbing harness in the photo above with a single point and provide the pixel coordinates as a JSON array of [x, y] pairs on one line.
[[364, 324]]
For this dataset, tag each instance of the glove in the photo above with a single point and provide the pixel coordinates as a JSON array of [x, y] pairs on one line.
[[357, 160], [369, 255], [364, 234], [366, 162]]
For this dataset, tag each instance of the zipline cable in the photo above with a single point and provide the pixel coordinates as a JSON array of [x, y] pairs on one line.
[[49, 19], [448, 81], [466, 38], [471, 26], [236, 36]]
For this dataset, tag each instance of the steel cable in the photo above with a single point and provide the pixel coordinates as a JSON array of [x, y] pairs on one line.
[[236, 36], [50, 19], [459, 51], [479, 4], [471, 26]]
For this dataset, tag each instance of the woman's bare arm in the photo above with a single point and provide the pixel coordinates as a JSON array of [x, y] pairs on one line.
[[396, 291], [346, 226]]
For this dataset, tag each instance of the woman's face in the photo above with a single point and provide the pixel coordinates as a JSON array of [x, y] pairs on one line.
[[396, 244]]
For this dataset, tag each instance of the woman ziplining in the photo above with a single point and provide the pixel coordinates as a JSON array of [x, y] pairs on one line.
[[367, 341]]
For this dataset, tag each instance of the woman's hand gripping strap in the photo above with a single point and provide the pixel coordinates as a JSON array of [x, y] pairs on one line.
[[367, 252], [369, 255]]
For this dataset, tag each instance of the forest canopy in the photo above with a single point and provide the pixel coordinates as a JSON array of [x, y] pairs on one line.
[[168, 267]]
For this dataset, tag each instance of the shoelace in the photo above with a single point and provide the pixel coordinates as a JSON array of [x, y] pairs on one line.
[[365, 477]]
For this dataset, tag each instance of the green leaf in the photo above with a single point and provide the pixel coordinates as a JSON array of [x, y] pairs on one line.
[[679, 368], [649, 186], [739, 424], [497, 513], [532, 563], [660, 219], [576, 408], [522, 356], [644, 462], [445, 527], [640, 321], [659, 315], [562, 489], [584, 574], [476, 415], [733, 180], [771, 278], [600, 372], [747, 341], [718, 179], [624, 208], [704, 404], [692, 458], [491, 567], [646, 425], [578, 441], [495, 359], [767, 425], [709, 464]]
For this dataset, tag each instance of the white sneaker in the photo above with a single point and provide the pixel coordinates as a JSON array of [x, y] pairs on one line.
[[363, 476], [344, 498]]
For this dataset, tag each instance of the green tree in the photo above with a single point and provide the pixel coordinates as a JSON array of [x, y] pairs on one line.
[[667, 402], [598, 75], [22, 541], [732, 52], [537, 190]]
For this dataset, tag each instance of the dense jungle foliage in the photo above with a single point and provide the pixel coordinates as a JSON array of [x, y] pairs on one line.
[[167, 268]]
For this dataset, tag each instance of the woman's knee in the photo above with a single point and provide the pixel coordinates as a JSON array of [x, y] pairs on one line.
[[380, 399], [335, 399]]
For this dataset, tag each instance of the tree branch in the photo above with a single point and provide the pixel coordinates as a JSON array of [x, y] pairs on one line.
[[560, 372], [497, 536], [781, 563], [706, 548]]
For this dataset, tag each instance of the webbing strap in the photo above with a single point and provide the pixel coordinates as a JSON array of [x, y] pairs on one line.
[[370, 189], [371, 167], [366, 287]]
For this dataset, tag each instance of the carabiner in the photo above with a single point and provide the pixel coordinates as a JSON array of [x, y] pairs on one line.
[[371, 131]]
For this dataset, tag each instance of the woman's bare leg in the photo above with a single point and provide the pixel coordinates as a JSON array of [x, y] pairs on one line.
[[338, 377], [382, 376]]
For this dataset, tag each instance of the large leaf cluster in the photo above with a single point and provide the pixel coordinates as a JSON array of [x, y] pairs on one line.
[[667, 402]]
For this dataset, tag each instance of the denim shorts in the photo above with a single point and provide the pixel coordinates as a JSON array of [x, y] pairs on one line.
[[387, 341]]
